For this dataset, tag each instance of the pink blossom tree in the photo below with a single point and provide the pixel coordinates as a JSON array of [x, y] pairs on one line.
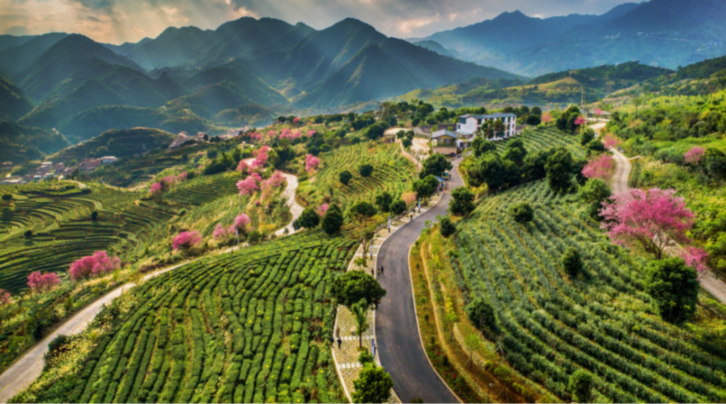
[[169, 180], [409, 198], [311, 162], [247, 186], [186, 240], [312, 133], [597, 111], [242, 166], [694, 155], [256, 176], [546, 117], [272, 133], [580, 120], [696, 258], [182, 176], [599, 167], [610, 141], [650, 218], [97, 264], [156, 188], [322, 209], [40, 283], [277, 179], [220, 232], [256, 165], [296, 120], [242, 223]]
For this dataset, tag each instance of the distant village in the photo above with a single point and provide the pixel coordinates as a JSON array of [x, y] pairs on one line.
[[48, 171]]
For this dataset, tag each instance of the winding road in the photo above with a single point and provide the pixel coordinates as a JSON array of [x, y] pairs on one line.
[[400, 348], [28, 367]]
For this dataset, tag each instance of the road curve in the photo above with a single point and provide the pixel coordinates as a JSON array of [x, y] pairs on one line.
[[28, 367], [622, 172], [399, 343]]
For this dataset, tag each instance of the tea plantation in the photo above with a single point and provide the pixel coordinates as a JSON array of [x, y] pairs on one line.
[[602, 321], [244, 327], [547, 138], [391, 172]]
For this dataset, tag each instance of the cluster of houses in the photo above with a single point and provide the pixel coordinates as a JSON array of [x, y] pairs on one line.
[[47, 170], [183, 137]]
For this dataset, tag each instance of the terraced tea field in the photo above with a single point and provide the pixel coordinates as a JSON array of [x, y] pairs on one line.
[[392, 173], [63, 229], [603, 322], [245, 327], [547, 138]]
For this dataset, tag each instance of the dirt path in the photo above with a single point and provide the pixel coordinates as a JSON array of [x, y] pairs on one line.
[[28, 367], [619, 183]]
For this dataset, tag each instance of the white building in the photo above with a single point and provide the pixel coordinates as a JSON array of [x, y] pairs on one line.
[[108, 160], [469, 124]]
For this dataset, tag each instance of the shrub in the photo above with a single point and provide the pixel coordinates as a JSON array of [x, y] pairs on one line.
[[481, 314], [674, 286], [572, 261], [333, 220], [94, 215], [398, 207], [345, 177], [447, 227], [463, 201], [384, 201], [521, 212], [581, 386], [373, 385], [309, 218], [435, 165], [354, 286], [365, 170], [559, 170]]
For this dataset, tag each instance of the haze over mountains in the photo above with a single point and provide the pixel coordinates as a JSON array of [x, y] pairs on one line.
[[249, 70]]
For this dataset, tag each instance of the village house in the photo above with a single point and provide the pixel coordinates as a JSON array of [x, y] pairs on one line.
[[469, 124], [7, 165], [89, 164], [108, 160]]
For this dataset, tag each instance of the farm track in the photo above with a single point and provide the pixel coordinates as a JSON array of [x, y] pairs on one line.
[[28, 367]]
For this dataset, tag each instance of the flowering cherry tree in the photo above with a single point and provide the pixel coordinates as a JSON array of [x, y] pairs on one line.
[[156, 188], [271, 133], [610, 141], [694, 155], [546, 117], [220, 232], [296, 120], [580, 120], [599, 167], [597, 111], [311, 133], [242, 223], [182, 176], [39, 283], [409, 197], [243, 166], [311, 162], [650, 218], [97, 264], [322, 209], [247, 186], [186, 240], [696, 258]]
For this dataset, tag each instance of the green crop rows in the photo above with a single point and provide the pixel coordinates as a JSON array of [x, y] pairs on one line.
[[64, 232], [546, 138], [391, 173], [603, 322], [243, 327]]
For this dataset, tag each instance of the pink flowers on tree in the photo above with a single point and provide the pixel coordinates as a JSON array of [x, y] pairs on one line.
[[97, 264], [186, 240], [39, 283], [156, 188], [694, 155], [599, 167], [311, 133], [696, 258], [409, 198], [242, 166], [4, 298], [220, 232], [247, 186], [610, 141], [311, 162], [241, 223], [650, 218], [546, 117], [296, 120], [322, 209], [580, 120], [597, 111]]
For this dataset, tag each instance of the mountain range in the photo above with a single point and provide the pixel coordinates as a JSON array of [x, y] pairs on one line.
[[665, 33]]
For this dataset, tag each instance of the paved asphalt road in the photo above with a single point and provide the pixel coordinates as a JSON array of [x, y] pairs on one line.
[[398, 339]]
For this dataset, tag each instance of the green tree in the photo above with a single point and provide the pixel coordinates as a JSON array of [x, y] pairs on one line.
[[498, 174], [581, 386], [94, 215], [435, 165], [674, 286], [715, 163], [309, 218], [572, 261], [481, 146], [594, 193], [534, 165], [515, 151], [463, 201], [345, 177], [363, 209], [332, 220], [426, 188], [373, 385], [521, 212], [559, 170], [595, 147], [481, 314], [398, 207], [384, 201], [407, 143], [365, 170], [7, 197], [360, 315], [354, 286], [587, 136], [375, 131], [447, 227]]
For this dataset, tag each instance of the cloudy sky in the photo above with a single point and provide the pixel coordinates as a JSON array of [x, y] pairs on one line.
[[118, 21]]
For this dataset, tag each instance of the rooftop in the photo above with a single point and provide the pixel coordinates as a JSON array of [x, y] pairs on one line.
[[490, 116], [443, 132]]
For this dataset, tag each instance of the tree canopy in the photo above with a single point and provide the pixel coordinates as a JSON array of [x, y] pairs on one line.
[[332, 220], [365, 170], [309, 218], [559, 169], [463, 201], [674, 286], [435, 165], [345, 177], [373, 385], [354, 286], [426, 187]]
